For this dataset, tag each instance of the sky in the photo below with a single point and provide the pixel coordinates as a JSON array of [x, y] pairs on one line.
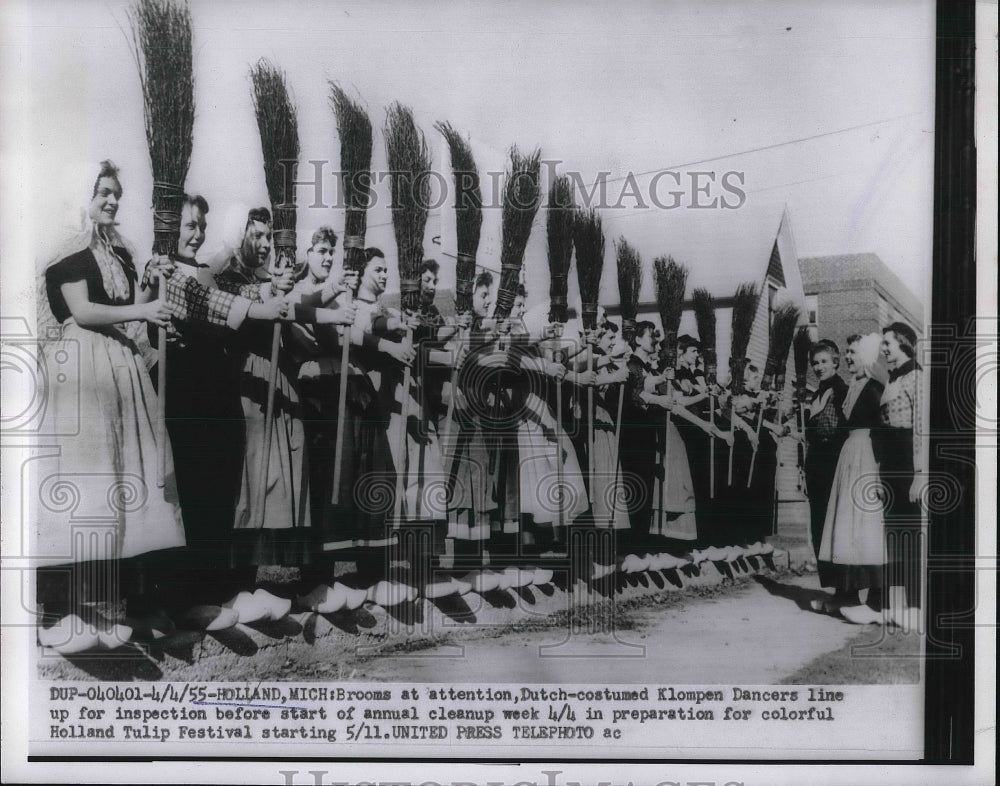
[[826, 108]]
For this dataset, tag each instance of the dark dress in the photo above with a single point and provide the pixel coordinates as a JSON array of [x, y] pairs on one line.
[[754, 494], [698, 445], [466, 459], [205, 421], [640, 425], [825, 434]]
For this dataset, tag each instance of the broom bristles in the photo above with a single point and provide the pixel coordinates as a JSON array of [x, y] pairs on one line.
[[163, 50], [704, 315], [745, 303], [629, 284], [468, 214], [559, 228], [354, 128], [521, 199], [409, 162], [671, 281], [783, 323], [588, 240], [801, 345], [277, 122]]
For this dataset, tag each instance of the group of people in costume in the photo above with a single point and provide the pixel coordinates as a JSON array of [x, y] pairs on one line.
[[864, 476], [468, 457]]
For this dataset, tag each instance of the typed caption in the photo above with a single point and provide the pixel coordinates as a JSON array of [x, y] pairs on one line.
[[345, 719]]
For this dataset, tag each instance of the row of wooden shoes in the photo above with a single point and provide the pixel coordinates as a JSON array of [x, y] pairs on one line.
[[326, 599], [73, 634]]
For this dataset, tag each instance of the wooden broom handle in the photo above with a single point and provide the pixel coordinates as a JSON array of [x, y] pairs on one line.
[[405, 413], [711, 446], [345, 354], [272, 383], [161, 404], [618, 442], [590, 424], [449, 418], [753, 458]]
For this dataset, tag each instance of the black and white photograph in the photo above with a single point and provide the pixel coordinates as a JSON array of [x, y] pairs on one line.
[[508, 382]]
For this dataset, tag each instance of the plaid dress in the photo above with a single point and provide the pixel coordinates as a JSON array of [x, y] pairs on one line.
[[204, 415]]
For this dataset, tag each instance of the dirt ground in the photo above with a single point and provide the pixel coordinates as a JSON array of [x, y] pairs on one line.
[[757, 631]]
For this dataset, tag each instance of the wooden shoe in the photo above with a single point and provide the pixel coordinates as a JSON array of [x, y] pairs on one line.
[[439, 589], [485, 580], [115, 635], [462, 587], [325, 599], [248, 607], [209, 618], [633, 563], [276, 607], [507, 577], [389, 593], [69, 636], [355, 598]]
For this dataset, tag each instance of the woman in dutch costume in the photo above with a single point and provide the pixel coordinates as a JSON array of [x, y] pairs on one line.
[[204, 419], [542, 444], [108, 456], [472, 501], [899, 448], [851, 555], [642, 416], [279, 533], [674, 524], [752, 499]]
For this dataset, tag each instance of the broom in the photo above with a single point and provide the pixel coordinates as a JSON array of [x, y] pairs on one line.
[[800, 349], [409, 163], [355, 132], [468, 224], [559, 229], [279, 140], [162, 46], [629, 284], [782, 330], [588, 239], [745, 303], [521, 199], [704, 315], [671, 280]]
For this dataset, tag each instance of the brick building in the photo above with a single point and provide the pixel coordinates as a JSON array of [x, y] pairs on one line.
[[855, 293]]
